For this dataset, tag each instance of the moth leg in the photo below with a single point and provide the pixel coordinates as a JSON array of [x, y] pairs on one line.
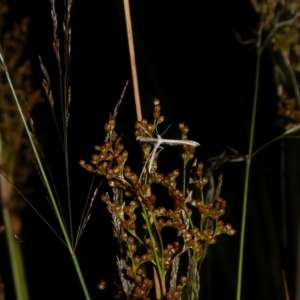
[[157, 149], [145, 164], [149, 161]]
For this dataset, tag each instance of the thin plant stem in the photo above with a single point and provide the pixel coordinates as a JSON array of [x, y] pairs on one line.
[[295, 85], [260, 46], [292, 76], [139, 118], [160, 242], [247, 173], [153, 241], [15, 258], [7, 163], [184, 178], [67, 99], [68, 182], [65, 90], [159, 265], [284, 135], [28, 203], [132, 60], [49, 190]]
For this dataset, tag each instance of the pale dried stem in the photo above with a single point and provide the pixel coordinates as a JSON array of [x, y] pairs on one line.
[[287, 296], [158, 290], [132, 60], [156, 284]]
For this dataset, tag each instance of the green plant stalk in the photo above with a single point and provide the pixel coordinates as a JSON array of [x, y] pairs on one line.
[[21, 292], [193, 296], [22, 270], [247, 173], [184, 178], [160, 242], [203, 202], [64, 100], [52, 199], [159, 267], [295, 85], [68, 183], [292, 130], [184, 189], [8, 158]]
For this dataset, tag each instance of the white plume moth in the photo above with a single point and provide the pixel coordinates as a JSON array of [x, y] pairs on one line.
[[157, 142]]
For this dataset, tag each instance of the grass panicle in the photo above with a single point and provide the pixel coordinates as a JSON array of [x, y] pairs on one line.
[[65, 97]]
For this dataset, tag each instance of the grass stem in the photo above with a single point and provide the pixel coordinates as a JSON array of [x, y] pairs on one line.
[[21, 292], [247, 174]]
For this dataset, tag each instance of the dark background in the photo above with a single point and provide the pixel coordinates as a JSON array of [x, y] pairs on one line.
[[188, 56]]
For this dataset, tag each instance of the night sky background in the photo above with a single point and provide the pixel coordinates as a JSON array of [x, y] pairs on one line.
[[187, 56]]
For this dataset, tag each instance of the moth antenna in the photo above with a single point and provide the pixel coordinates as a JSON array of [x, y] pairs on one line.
[[166, 130]]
